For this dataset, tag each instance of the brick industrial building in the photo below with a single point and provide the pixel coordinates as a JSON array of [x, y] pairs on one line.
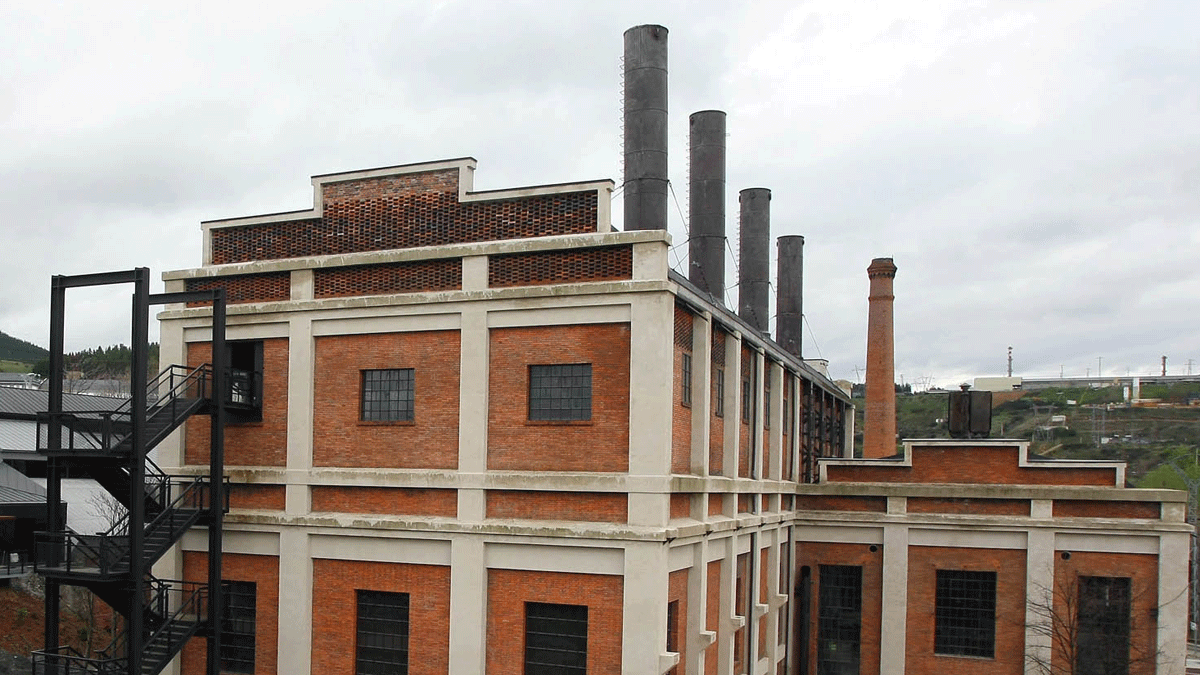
[[498, 435]]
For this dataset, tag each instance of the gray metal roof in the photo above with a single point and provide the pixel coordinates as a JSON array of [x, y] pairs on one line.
[[15, 488], [17, 402]]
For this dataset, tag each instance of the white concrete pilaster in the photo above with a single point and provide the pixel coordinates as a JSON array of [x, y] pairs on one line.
[[295, 602], [1173, 600], [1039, 584], [473, 401], [699, 637], [775, 433], [468, 606], [644, 619], [650, 397], [893, 634], [301, 370]]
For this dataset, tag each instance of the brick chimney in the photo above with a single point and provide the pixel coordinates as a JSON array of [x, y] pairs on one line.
[[879, 428]]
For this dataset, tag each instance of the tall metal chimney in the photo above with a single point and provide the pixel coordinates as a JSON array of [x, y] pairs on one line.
[[706, 202], [879, 425], [789, 294], [754, 262], [646, 128]]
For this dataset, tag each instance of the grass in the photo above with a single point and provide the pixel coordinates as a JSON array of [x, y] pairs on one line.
[[15, 366]]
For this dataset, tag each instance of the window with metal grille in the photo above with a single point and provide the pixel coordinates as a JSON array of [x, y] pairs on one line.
[[387, 395], [719, 380], [1102, 646], [555, 639], [746, 400], [965, 619], [237, 630], [686, 376], [382, 646], [839, 619], [560, 392]]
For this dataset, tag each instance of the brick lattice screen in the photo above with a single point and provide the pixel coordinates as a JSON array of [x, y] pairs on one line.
[[271, 287], [683, 329], [561, 267], [404, 212], [407, 277]]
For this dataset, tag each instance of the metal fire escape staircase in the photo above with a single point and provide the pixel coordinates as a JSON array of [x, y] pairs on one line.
[[159, 616]]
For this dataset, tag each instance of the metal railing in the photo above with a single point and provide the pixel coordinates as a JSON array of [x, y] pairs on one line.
[[109, 552], [66, 660]]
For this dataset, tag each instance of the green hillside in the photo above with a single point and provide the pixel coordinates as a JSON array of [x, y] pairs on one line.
[[20, 351], [1096, 426]]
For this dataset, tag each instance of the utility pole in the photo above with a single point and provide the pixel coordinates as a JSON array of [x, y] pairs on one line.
[[1164, 361], [1060, 370], [1189, 364], [1010, 361]]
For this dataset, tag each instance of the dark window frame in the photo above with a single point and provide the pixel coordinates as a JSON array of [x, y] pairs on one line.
[[965, 613], [746, 402], [560, 392], [1104, 623], [239, 626], [556, 637], [839, 619], [719, 383], [381, 633], [686, 380], [387, 395]]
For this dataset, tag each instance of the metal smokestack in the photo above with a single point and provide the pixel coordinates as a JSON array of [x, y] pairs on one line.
[[789, 299], [706, 202], [646, 128], [754, 261]]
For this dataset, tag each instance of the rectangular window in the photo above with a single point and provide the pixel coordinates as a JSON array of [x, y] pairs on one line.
[[560, 392], [719, 380], [555, 639], [673, 631], [767, 402], [382, 647], [745, 400], [387, 395], [1103, 620], [839, 619], [686, 376], [237, 636], [965, 616]]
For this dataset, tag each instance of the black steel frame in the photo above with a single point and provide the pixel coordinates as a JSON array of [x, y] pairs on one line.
[[138, 634]]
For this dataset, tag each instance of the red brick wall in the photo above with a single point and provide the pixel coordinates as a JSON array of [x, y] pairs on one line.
[[263, 570], [249, 444], [965, 464], [815, 554], [716, 502], [834, 503], [746, 416], [1082, 508], [681, 420], [983, 507], [716, 425], [678, 592], [430, 441], [385, 500], [561, 267], [404, 211], [1009, 566], [1142, 570], [712, 614], [681, 505], [765, 435], [335, 609], [509, 590], [741, 585], [385, 279], [600, 507], [515, 443], [247, 496], [241, 288]]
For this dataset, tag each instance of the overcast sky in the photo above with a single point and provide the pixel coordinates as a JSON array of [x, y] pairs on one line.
[[1032, 167]]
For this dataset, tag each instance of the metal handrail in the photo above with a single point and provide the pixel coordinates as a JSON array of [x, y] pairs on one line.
[[65, 660]]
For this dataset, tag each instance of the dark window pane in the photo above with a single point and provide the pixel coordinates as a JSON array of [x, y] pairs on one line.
[[560, 392], [839, 620], [555, 639], [686, 377], [966, 613], [237, 637], [387, 395], [1103, 615], [382, 633]]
